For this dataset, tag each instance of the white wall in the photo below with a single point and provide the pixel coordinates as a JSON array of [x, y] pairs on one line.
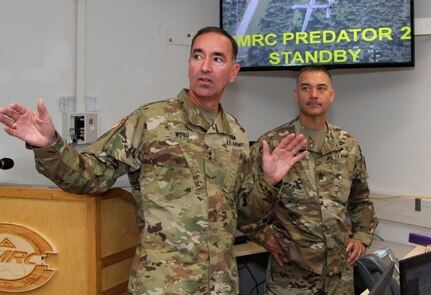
[[127, 60], [128, 63]]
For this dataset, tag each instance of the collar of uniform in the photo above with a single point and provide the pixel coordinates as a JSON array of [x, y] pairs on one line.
[[221, 124], [330, 144], [195, 117], [191, 111]]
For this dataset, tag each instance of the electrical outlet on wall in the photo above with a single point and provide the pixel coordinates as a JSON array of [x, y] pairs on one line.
[[418, 204], [80, 128]]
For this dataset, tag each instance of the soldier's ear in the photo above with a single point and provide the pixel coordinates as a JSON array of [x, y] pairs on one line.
[[332, 94]]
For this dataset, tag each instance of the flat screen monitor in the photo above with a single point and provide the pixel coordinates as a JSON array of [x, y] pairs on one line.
[[415, 275], [289, 34]]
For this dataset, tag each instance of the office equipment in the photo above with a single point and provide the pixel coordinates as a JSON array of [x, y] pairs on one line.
[[371, 268], [415, 275], [387, 256], [383, 284]]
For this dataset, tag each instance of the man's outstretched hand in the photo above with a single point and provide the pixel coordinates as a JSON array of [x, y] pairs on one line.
[[276, 164], [23, 123]]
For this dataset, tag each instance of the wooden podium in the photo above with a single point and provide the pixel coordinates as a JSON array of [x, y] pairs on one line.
[[93, 240]]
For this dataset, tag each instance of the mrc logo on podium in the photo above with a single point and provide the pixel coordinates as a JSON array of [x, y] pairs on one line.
[[22, 258]]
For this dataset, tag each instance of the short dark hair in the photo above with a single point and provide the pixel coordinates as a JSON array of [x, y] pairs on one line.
[[218, 31], [313, 68]]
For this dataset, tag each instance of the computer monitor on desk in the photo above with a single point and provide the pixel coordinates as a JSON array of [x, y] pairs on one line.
[[415, 275]]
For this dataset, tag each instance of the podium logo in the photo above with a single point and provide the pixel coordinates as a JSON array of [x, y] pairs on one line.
[[22, 258]]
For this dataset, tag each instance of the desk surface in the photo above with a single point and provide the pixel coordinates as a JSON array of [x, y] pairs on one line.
[[248, 248], [416, 251]]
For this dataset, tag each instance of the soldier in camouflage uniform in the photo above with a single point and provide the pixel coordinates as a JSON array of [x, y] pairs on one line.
[[189, 168], [306, 232]]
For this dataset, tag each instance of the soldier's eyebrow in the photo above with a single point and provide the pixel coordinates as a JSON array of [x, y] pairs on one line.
[[220, 54], [318, 85], [197, 50]]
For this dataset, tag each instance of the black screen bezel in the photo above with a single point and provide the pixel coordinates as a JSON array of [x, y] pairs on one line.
[[410, 63]]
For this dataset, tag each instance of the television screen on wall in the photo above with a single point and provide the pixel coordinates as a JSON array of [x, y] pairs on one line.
[[289, 34]]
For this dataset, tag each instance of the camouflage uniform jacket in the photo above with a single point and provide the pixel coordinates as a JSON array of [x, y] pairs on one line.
[[309, 219], [187, 177]]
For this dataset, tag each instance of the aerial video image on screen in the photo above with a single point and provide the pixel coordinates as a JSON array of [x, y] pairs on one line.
[[293, 33]]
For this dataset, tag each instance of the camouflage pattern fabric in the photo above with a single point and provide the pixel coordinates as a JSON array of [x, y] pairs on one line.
[[291, 279], [316, 198], [187, 178]]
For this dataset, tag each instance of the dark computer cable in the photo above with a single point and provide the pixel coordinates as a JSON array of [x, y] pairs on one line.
[[244, 265]]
